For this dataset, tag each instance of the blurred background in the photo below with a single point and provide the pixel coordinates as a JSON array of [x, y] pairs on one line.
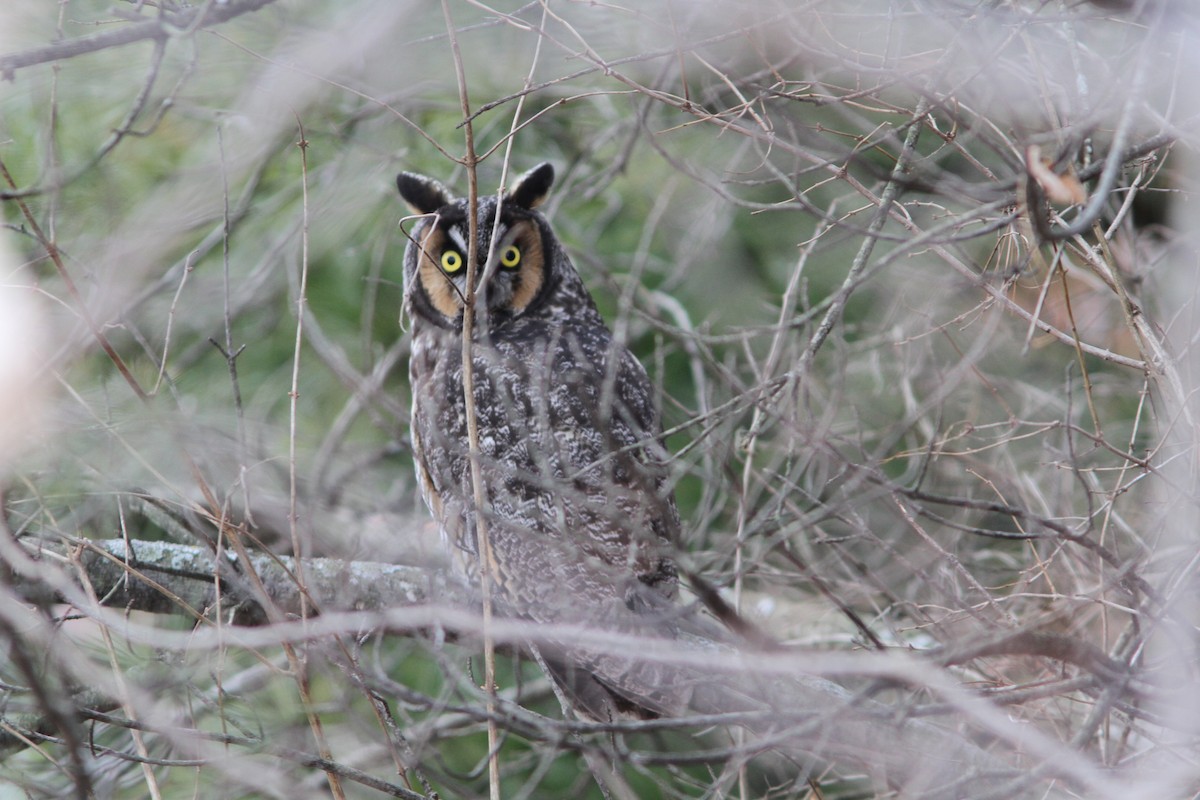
[[914, 281]]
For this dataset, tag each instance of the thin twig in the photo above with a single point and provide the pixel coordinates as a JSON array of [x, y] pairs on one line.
[[488, 572], [299, 662]]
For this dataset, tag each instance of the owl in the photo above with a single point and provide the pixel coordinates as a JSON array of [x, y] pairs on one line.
[[577, 505]]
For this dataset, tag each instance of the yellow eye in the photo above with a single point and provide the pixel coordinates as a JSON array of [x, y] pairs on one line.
[[511, 257], [452, 261]]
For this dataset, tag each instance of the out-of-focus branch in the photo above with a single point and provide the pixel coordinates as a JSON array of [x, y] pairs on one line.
[[802, 715], [160, 28]]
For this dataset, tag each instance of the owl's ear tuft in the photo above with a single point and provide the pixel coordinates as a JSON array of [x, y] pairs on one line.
[[532, 187], [423, 195]]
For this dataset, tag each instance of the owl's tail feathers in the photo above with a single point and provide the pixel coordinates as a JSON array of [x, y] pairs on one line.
[[611, 684], [805, 716], [592, 698], [642, 682]]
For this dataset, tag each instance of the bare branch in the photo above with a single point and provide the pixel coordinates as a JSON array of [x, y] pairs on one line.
[[164, 26]]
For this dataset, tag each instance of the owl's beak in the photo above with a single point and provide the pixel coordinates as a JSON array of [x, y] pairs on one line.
[[499, 286]]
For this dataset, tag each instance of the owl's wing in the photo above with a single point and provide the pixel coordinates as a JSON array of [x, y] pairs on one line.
[[436, 458], [596, 430]]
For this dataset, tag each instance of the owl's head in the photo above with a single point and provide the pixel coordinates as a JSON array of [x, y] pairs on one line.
[[515, 256]]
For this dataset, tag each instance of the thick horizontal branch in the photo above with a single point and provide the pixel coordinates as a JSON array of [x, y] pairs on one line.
[[165, 577]]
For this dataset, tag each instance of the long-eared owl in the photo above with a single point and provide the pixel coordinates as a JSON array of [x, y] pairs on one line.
[[578, 510]]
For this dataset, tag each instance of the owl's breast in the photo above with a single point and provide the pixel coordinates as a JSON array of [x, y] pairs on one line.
[[562, 453]]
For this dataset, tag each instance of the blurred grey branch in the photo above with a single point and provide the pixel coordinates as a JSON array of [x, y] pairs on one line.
[[799, 715], [160, 28]]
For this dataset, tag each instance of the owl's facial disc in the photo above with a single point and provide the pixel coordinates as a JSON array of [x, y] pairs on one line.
[[442, 269], [511, 279], [515, 273]]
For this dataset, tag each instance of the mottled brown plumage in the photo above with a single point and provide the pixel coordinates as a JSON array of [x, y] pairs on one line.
[[578, 509]]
